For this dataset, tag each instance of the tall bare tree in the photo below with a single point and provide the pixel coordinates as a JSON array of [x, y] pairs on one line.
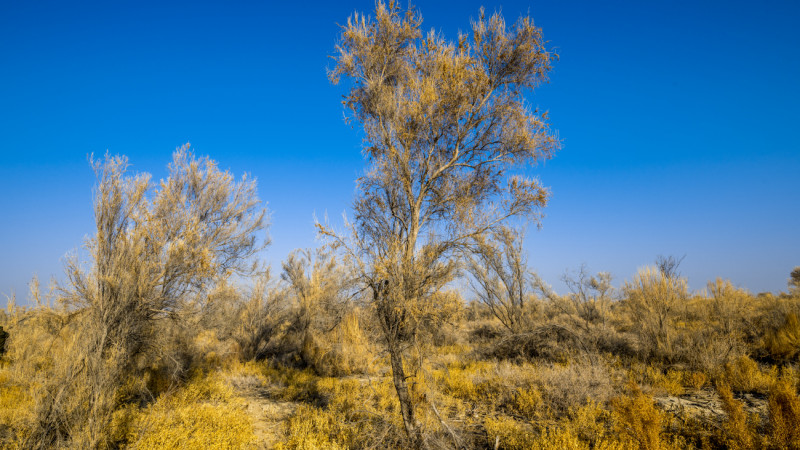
[[445, 123]]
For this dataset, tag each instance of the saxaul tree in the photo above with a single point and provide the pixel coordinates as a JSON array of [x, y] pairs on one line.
[[154, 246], [445, 126]]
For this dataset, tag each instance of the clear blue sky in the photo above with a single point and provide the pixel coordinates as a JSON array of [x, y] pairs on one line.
[[679, 122]]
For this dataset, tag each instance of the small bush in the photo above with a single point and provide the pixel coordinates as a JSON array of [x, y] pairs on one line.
[[512, 434], [744, 375], [739, 433], [204, 414], [637, 419], [784, 415], [784, 342]]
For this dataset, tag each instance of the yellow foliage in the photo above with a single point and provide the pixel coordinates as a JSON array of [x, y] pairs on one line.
[[784, 415], [512, 433], [738, 432], [696, 380], [204, 414], [16, 405], [785, 341], [671, 382], [743, 375], [312, 428], [528, 401], [638, 420]]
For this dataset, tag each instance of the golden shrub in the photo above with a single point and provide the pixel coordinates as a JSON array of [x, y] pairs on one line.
[[637, 419], [313, 428], [739, 434], [512, 434], [204, 414], [744, 375], [784, 343], [784, 415]]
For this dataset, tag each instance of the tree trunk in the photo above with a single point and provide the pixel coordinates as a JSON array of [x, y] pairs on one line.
[[406, 405]]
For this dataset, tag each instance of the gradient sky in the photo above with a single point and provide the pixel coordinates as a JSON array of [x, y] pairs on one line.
[[679, 124]]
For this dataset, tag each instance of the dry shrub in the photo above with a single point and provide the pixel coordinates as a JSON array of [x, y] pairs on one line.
[[707, 349], [485, 331], [744, 375], [337, 412], [550, 342], [653, 299], [740, 434], [582, 381], [324, 329], [156, 246], [203, 414], [783, 343], [637, 419], [258, 320], [511, 434], [313, 428], [696, 380], [345, 350], [16, 406], [669, 381], [784, 415]]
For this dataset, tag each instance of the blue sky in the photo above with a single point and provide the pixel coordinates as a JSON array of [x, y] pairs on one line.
[[678, 121]]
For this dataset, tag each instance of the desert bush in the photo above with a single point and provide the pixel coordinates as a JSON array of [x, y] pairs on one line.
[[668, 381], [744, 375], [154, 246], [783, 342], [794, 281], [784, 415], [550, 342], [637, 419], [502, 281], [486, 331], [589, 298], [652, 299], [580, 382], [704, 348], [324, 325], [508, 433], [739, 430], [205, 413], [729, 307], [314, 428], [260, 320]]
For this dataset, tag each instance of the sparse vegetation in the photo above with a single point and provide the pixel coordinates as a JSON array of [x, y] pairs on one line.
[[173, 334]]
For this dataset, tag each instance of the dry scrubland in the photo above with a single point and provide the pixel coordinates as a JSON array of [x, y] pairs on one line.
[[170, 334], [651, 366]]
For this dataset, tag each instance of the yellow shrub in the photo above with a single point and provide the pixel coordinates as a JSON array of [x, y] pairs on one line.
[[638, 420], [528, 401], [312, 428], [696, 380], [558, 439], [785, 341], [784, 415], [512, 434], [738, 433], [204, 414], [743, 375], [589, 423], [16, 407], [671, 382]]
